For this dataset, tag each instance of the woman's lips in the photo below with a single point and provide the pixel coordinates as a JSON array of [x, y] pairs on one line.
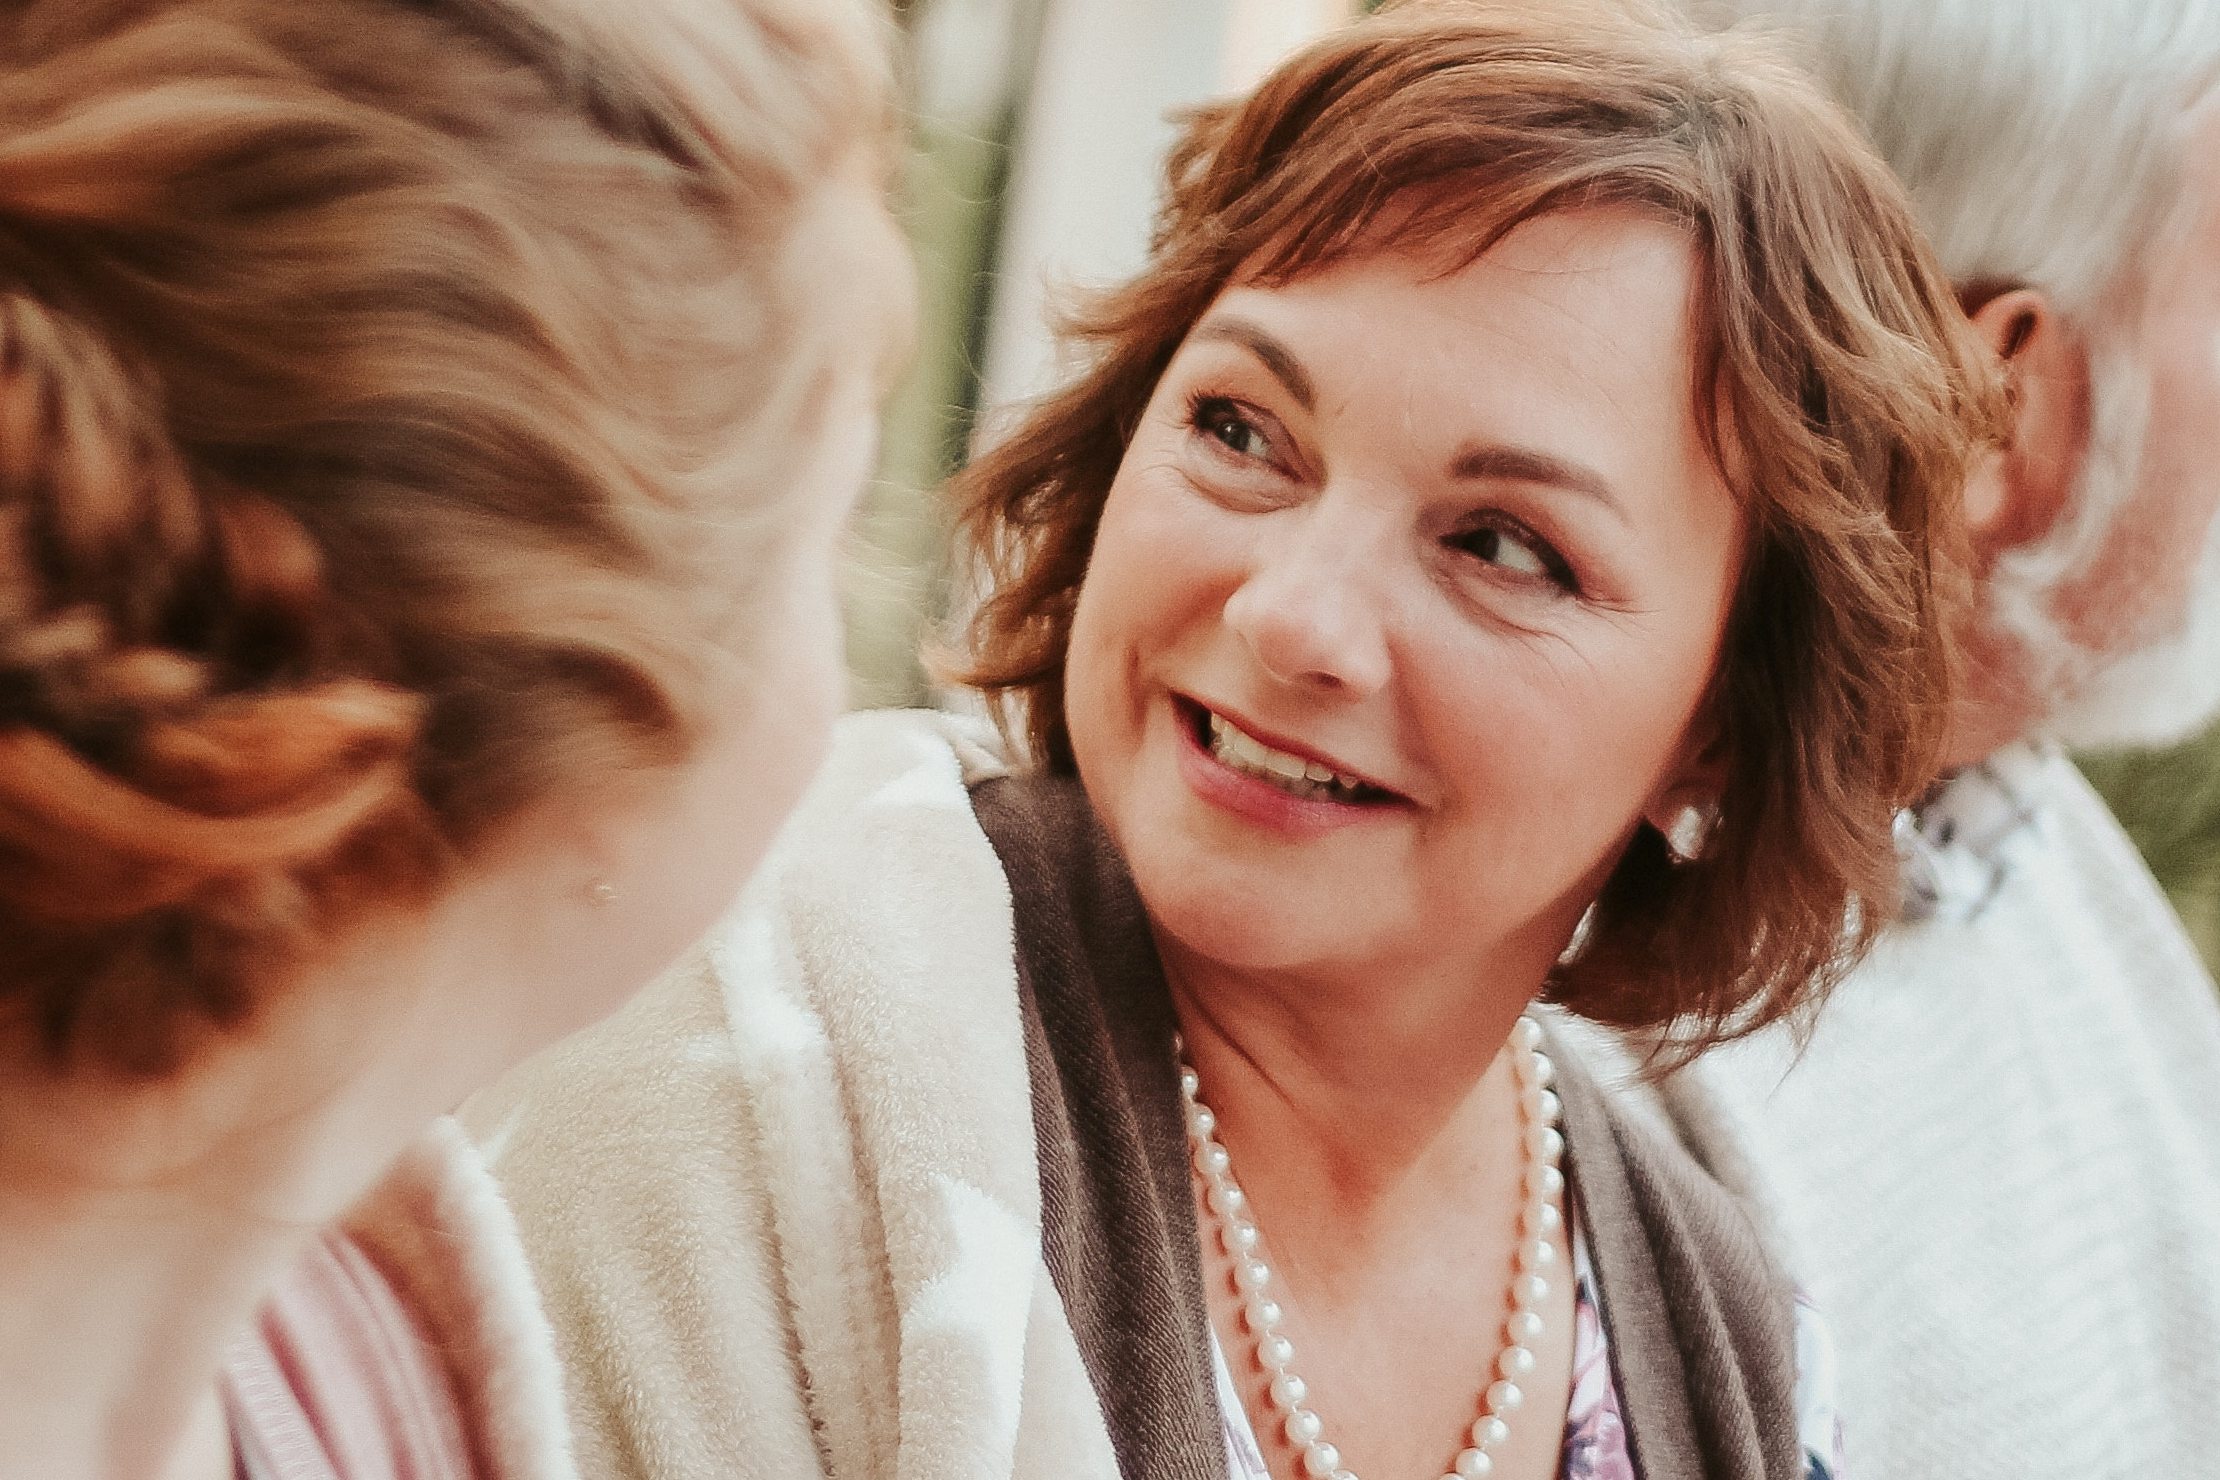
[[1261, 801]]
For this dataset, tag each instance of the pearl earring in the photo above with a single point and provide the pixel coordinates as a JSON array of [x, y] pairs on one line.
[[1582, 929], [1689, 833]]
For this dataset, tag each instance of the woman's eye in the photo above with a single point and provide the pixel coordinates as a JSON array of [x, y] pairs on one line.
[[1223, 422], [1520, 553]]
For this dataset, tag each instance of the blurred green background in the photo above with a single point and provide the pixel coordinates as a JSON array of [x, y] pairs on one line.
[[1035, 140], [2170, 803]]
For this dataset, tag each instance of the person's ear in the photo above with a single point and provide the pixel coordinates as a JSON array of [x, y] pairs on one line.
[[2016, 492], [1685, 810]]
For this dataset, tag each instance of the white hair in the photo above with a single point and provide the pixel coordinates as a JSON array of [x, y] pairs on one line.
[[2042, 143], [2039, 139]]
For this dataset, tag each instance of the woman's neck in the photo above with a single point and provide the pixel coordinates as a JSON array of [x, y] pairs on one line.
[[143, 1223], [1359, 1089], [118, 1306], [1375, 1127]]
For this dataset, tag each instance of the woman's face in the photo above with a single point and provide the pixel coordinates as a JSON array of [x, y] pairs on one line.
[[1448, 549]]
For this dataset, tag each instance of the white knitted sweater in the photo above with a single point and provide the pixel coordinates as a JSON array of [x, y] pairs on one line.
[[1999, 1164]]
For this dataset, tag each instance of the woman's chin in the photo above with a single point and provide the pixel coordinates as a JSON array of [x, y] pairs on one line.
[[1201, 911]]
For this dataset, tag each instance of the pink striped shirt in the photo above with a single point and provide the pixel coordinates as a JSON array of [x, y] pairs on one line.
[[338, 1382]]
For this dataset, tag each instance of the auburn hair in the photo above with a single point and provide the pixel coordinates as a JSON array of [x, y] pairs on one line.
[[1841, 389], [373, 375]]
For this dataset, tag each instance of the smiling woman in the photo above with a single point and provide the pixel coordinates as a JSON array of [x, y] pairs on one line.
[[1515, 493], [1478, 561], [1819, 403]]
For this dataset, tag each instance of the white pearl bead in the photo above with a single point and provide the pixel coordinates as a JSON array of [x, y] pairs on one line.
[[1536, 1254], [1321, 1460], [1252, 1275], [1473, 1465], [1544, 1182], [1225, 1199], [1546, 1143], [1190, 1083], [1288, 1392], [1528, 1291], [1543, 1104], [1526, 1035], [1275, 1352], [1490, 1432], [1261, 1315], [1504, 1396], [1524, 1328], [1540, 1218], [1239, 1238], [1516, 1362], [1544, 1070], [1302, 1426], [1211, 1159], [1200, 1120]]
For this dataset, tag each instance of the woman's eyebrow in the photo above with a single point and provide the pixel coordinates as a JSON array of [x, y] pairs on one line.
[[1497, 462], [1274, 355], [1487, 462]]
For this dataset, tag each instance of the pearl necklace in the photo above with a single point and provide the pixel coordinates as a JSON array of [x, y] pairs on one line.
[[1540, 1219]]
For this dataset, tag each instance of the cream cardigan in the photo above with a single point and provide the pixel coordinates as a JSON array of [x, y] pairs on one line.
[[816, 1140]]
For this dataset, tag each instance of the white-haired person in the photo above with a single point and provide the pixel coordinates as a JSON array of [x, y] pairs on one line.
[[2000, 1154]]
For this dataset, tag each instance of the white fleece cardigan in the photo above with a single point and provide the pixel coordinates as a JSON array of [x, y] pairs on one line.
[[785, 1207]]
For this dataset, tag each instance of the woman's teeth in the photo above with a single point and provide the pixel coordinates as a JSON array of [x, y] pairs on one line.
[[1240, 751]]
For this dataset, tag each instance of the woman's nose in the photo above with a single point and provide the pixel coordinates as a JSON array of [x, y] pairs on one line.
[[1311, 611]]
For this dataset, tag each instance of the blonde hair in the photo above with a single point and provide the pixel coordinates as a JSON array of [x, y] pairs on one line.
[[388, 395]]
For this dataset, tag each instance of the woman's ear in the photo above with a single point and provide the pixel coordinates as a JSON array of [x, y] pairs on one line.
[[2016, 492], [1685, 810]]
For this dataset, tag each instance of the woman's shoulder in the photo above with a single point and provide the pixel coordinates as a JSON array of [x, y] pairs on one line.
[[887, 825], [900, 757], [1676, 1114], [882, 900]]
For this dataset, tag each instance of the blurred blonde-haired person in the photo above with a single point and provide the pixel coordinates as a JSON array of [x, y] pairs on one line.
[[423, 434]]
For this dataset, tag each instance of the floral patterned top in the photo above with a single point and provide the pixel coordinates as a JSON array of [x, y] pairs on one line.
[[1595, 1434]]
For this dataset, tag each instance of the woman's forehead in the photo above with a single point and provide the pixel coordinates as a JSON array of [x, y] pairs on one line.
[[1591, 312]]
